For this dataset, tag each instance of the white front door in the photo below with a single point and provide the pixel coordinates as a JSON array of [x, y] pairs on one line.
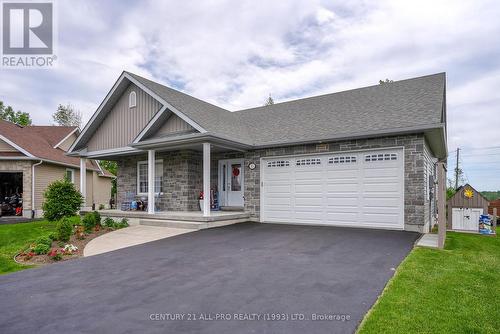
[[231, 182]]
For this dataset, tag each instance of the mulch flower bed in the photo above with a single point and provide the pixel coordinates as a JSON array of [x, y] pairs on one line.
[[58, 246]]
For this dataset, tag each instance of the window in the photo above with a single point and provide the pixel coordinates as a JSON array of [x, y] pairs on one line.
[[381, 157], [132, 100], [142, 177], [70, 175], [342, 160], [308, 162], [278, 163]]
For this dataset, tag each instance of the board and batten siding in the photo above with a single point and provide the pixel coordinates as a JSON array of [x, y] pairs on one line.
[[4, 147], [173, 125], [123, 124]]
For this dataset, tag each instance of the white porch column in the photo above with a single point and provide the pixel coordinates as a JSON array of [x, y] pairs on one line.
[[206, 179], [83, 180], [151, 181]]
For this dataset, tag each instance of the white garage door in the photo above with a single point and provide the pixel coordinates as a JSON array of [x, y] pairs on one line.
[[362, 189]]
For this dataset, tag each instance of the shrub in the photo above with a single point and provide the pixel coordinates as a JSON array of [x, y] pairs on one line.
[[64, 228], [109, 222], [53, 236], [61, 200], [44, 241], [89, 221], [97, 217], [101, 206], [123, 223], [41, 249]]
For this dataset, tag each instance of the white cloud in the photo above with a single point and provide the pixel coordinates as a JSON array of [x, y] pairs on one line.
[[234, 53]]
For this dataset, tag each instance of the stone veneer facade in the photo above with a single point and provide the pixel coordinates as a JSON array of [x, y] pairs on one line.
[[182, 172]]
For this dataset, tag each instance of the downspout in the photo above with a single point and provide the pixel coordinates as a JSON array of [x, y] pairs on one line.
[[33, 188]]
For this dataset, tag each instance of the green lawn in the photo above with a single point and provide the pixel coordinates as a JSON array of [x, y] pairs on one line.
[[456, 290], [15, 237]]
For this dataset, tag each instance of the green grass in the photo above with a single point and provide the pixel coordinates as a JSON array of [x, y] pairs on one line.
[[456, 290], [15, 237]]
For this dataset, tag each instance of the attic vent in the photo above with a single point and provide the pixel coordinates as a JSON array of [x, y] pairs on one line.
[[381, 157], [278, 163], [308, 162], [342, 160], [132, 99]]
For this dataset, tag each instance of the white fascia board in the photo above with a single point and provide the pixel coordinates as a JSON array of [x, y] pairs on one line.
[[97, 112], [17, 147], [149, 125], [64, 139], [165, 104], [113, 151]]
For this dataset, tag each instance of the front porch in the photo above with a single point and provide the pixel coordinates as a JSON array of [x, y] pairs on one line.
[[178, 219]]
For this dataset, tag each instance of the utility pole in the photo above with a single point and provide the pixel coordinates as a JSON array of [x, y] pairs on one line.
[[456, 170]]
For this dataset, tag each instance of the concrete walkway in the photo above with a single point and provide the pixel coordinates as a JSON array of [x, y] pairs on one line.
[[130, 236], [428, 240]]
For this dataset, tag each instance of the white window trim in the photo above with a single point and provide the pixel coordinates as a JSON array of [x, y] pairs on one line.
[[137, 179], [132, 104], [72, 174]]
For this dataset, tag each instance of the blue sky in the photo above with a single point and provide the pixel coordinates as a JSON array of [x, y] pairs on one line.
[[234, 53]]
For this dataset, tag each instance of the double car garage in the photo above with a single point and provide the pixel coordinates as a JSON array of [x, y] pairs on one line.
[[359, 189]]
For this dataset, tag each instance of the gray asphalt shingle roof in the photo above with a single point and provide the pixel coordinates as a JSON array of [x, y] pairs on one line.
[[412, 103]]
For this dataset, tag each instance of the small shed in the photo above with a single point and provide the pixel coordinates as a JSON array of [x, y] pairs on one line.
[[464, 209]]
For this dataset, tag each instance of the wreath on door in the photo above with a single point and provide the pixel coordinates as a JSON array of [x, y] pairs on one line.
[[236, 171]]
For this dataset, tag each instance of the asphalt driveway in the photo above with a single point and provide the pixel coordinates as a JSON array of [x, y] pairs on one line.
[[274, 278]]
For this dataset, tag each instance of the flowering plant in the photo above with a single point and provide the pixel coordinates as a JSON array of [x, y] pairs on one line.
[[69, 249], [55, 254]]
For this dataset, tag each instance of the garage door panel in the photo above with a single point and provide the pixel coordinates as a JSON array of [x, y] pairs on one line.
[[308, 188], [383, 218], [347, 191], [341, 174], [308, 174], [342, 201], [341, 187], [308, 201], [381, 172], [283, 201], [377, 201], [381, 187]]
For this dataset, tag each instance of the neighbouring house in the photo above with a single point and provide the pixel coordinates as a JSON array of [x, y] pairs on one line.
[[494, 204], [32, 157], [363, 158], [464, 209]]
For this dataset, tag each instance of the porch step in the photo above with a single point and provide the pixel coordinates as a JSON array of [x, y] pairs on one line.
[[231, 208], [190, 225], [172, 223]]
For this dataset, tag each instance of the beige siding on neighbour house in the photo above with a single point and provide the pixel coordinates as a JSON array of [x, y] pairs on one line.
[[4, 147], [123, 124], [46, 173], [102, 190]]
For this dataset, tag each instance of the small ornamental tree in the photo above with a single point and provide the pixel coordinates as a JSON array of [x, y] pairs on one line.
[[61, 200]]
